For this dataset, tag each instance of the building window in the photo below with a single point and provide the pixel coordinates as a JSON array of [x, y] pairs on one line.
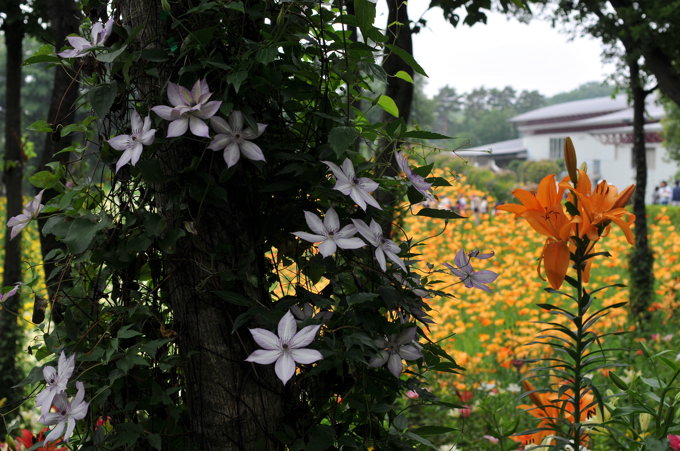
[[650, 153], [596, 170], [557, 148]]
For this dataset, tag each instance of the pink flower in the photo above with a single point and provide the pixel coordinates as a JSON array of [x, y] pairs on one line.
[[674, 442], [412, 394], [465, 411], [234, 140], [491, 439], [31, 211], [132, 145], [98, 36], [416, 180], [189, 109]]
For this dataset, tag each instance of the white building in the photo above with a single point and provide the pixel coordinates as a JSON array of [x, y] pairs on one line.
[[602, 132]]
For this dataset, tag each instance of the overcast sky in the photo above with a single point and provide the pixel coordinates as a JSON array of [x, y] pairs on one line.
[[502, 52]]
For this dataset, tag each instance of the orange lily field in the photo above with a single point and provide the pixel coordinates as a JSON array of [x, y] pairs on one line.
[[487, 331]]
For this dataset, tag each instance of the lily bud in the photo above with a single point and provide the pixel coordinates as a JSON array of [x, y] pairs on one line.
[[624, 197], [570, 160], [584, 167]]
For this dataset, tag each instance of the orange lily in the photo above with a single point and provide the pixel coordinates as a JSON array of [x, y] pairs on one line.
[[549, 408], [600, 207], [543, 210]]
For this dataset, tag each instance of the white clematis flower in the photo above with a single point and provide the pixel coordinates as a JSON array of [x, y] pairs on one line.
[[10, 293], [31, 211], [416, 180], [98, 36], [286, 349], [358, 188], [189, 109], [234, 140], [66, 415], [56, 379], [395, 349], [467, 274], [132, 145], [329, 234], [383, 246]]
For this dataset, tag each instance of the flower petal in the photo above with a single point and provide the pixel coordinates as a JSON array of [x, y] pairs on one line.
[[252, 151], [304, 337], [312, 238], [178, 127], [231, 154], [349, 243], [165, 112], [327, 247], [265, 339], [220, 125], [209, 109], [285, 367], [264, 356], [120, 142], [198, 127], [305, 356], [287, 328], [394, 364], [236, 121]]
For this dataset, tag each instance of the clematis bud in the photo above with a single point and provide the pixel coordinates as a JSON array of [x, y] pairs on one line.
[[570, 160]]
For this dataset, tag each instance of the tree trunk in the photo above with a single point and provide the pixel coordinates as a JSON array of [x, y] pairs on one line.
[[64, 20], [231, 404], [398, 34], [10, 335], [641, 260]]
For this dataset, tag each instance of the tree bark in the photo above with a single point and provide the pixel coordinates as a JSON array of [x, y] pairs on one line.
[[63, 21], [231, 404], [641, 262], [10, 336], [399, 34]]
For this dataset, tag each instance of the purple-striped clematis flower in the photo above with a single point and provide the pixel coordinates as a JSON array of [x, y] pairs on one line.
[[190, 109]]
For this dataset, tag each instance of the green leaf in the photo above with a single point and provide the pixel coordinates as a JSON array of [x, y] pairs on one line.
[[110, 56], [340, 138], [424, 134], [236, 6], [618, 381], [266, 55], [404, 76], [387, 104], [40, 127], [154, 440], [360, 298], [45, 54], [364, 10], [125, 332], [237, 78], [101, 98], [407, 58], [439, 214], [44, 179]]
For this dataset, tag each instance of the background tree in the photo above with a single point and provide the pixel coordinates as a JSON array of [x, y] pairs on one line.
[[13, 27]]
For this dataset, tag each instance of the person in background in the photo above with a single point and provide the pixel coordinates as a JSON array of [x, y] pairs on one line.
[[655, 196], [665, 193], [675, 197]]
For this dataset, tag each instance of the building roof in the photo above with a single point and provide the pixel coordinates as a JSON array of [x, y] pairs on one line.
[[512, 146], [576, 108]]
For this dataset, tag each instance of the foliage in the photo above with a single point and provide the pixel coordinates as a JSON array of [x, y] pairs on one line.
[[132, 235], [671, 131], [587, 90]]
